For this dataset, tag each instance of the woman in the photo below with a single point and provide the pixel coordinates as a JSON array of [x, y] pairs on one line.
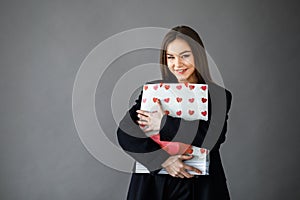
[[183, 60]]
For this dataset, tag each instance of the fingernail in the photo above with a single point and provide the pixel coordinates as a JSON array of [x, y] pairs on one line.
[[189, 151]]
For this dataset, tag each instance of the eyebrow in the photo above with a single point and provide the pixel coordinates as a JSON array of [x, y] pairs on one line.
[[187, 51]]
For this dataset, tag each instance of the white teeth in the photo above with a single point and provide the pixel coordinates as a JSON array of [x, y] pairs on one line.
[[181, 70]]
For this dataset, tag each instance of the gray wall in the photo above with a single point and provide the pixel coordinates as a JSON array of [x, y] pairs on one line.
[[254, 43]]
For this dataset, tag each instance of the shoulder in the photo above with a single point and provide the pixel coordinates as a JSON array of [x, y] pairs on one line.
[[219, 92], [219, 89]]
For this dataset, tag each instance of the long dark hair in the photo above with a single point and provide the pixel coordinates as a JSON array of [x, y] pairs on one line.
[[193, 39]]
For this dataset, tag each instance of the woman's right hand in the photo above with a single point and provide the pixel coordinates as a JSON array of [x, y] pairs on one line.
[[175, 166]]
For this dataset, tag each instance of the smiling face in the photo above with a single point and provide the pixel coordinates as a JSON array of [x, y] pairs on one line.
[[180, 61]]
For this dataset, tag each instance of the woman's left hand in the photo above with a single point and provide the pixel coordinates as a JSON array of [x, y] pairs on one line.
[[150, 121]]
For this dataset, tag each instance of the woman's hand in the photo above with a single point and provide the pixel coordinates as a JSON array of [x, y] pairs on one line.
[[150, 121], [177, 168]]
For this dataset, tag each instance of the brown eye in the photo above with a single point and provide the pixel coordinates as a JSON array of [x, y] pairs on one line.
[[186, 56]]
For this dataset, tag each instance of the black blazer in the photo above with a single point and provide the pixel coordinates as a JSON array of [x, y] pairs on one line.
[[209, 134]]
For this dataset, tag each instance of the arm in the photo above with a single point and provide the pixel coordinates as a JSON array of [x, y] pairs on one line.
[[133, 140], [146, 151], [173, 148]]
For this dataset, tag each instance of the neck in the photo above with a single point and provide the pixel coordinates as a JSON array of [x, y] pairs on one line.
[[192, 79]]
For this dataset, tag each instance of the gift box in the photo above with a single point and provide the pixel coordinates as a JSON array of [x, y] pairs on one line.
[[184, 100], [200, 161]]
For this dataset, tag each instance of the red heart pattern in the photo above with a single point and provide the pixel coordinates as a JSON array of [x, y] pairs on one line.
[[178, 112], [167, 87], [179, 87], [191, 100], [191, 87], [167, 100], [178, 99], [190, 112], [202, 150]]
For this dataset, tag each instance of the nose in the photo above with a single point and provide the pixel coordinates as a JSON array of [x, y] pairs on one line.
[[178, 62]]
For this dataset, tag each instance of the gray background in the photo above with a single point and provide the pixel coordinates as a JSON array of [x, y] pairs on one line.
[[254, 43]]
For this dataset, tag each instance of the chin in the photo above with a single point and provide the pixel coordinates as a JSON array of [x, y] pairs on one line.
[[182, 80]]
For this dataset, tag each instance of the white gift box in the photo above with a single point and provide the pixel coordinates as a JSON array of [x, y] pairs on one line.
[[187, 101], [200, 161], [183, 100]]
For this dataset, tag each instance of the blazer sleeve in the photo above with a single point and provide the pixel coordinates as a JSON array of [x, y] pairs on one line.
[[136, 144], [224, 129]]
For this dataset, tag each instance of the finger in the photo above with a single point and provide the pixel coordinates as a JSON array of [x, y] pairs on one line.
[[174, 175], [186, 157], [143, 123], [180, 175], [143, 112], [185, 148], [188, 167], [186, 174], [143, 118], [159, 105], [188, 151], [147, 129]]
